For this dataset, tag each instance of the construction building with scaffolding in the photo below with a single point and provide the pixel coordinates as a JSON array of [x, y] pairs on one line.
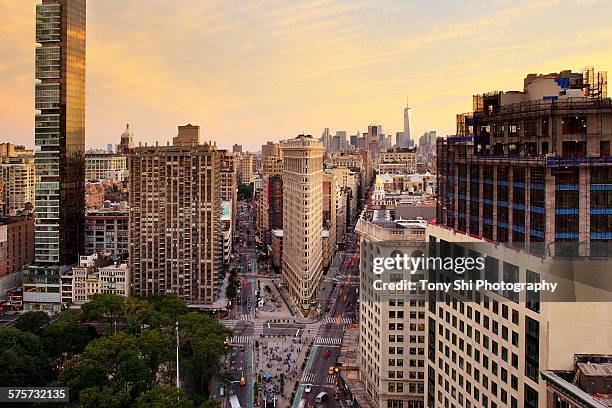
[[526, 183], [551, 140]]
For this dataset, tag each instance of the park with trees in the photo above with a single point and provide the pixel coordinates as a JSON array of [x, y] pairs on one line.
[[118, 352]]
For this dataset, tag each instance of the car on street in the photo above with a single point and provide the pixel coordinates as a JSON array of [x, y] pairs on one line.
[[330, 370], [308, 388], [326, 354]]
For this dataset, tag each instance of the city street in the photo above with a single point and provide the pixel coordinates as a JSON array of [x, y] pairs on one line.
[[269, 344]]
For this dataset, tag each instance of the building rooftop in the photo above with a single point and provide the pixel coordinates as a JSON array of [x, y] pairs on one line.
[[590, 383]]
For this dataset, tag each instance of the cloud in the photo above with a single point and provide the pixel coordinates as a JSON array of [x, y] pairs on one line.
[[269, 69]]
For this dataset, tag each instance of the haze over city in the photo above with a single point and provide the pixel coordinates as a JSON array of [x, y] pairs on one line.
[[269, 70]]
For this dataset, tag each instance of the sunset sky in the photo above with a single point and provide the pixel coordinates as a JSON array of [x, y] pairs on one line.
[[251, 71]]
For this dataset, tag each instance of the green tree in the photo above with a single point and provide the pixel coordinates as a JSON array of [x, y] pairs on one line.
[[80, 373], [104, 307], [23, 361], [132, 372], [202, 345], [105, 349], [32, 322], [107, 397], [231, 292], [164, 397], [245, 191], [66, 337], [170, 306], [210, 404]]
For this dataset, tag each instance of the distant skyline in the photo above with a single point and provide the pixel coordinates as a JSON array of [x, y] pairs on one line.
[[248, 72]]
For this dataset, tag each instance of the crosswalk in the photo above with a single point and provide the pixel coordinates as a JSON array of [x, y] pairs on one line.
[[335, 320], [246, 318], [327, 341], [258, 329], [317, 378], [230, 323], [241, 340]]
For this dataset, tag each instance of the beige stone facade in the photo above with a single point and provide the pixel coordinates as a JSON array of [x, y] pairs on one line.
[[302, 217]]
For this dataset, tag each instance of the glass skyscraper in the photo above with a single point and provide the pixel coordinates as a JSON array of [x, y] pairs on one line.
[[60, 139]]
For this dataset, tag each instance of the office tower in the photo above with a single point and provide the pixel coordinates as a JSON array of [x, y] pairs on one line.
[[188, 135], [271, 206], [302, 218], [353, 139], [229, 181], [237, 148], [341, 137], [427, 147], [275, 202], [548, 165], [526, 183], [330, 195], [229, 200], [59, 135], [326, 139], [335, 143], [17, 175], [398, 138], [362, 143], [374, 132], [391, 353], [126, 144], [406, 140], [105, 166], [175, 232], [270, 149], [247, 162]]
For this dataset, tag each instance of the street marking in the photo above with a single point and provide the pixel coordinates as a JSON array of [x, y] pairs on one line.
[[230, 323], [336, 320], [246, 318], [308, 377], [327, 341], [241, 340], [331, 379]]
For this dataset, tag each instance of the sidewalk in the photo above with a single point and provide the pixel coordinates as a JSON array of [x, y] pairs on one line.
[[348, 358], [324, 291]]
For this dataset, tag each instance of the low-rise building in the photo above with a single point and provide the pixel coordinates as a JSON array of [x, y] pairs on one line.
[[16, 243], [95, 274], [397, 161], [588, 385]]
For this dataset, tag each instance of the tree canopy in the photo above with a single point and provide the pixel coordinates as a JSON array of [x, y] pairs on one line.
[[117, 352]]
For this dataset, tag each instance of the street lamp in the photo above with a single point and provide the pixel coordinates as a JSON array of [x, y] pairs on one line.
[[178, 377]]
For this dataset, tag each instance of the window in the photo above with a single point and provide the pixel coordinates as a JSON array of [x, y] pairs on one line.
[[532, 348], [531, 397]]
